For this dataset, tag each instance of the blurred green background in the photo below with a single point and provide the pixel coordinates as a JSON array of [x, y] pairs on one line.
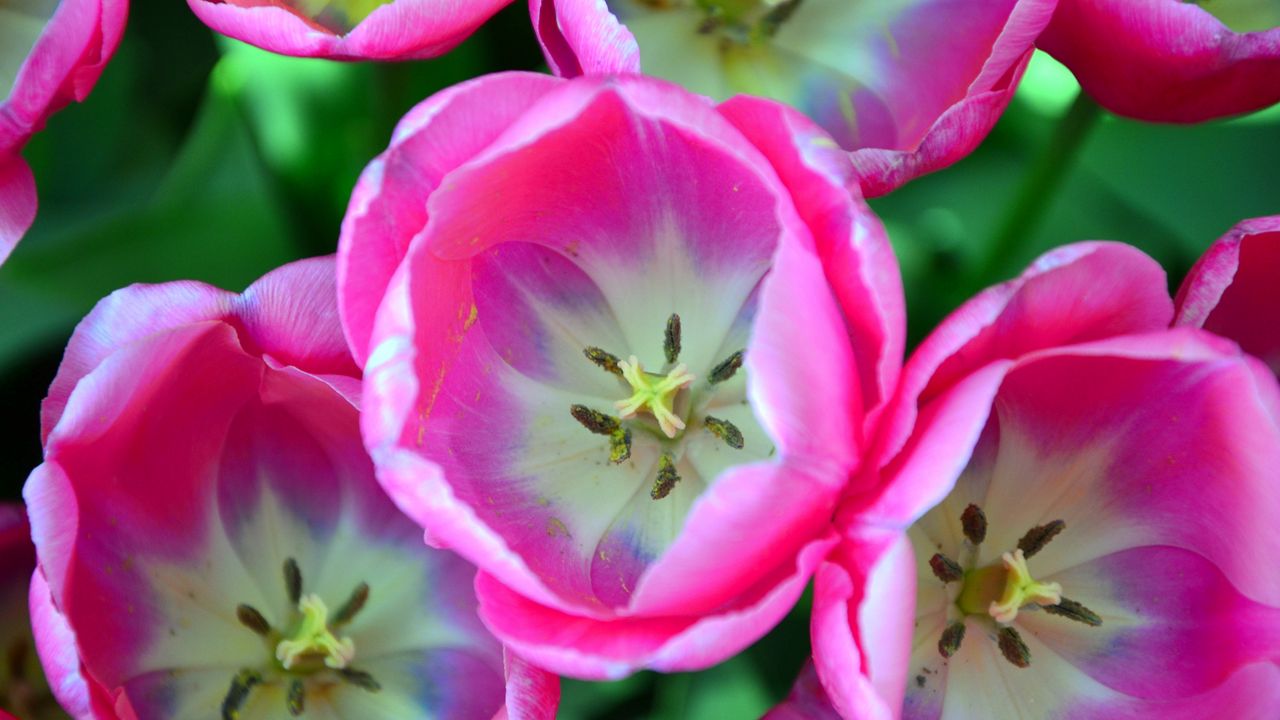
[[200, 157]]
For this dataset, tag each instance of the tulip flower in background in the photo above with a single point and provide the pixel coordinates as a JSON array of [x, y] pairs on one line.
[[607, 365], [1092, 506], [23, 690], [909, 86], [348, 29], [1171, 60], [1232, 290], [51, 53], [211, 538]]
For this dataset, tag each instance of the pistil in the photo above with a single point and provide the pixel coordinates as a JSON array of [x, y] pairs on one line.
[[654, 394]]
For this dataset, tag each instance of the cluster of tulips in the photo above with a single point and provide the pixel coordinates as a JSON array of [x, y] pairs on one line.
[[608, 368]]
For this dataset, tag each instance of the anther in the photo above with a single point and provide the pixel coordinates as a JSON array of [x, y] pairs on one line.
[[238, 693], [725, 369], [292, 581], [1013, 648], [360, 679], [726, 431], [620, 446], [945, 569], [1039, 536], [949, 643], [594, 420], [974, 522], [604, 360], [252, 619], [1073, 610], [296, 698], [671, 339], [667, 478], [352, 606]]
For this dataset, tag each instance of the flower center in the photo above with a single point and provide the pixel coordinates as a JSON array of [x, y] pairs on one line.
[[742, 21], [311, 654], [654, 394], [996, 592]]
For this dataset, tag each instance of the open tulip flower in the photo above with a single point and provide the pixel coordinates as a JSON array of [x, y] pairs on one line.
[[1171, 60], [608, 366], [1090, 504], [212, 541], [51, 53], [349, 29], [1232, 290], [23, 690], [909, 86]]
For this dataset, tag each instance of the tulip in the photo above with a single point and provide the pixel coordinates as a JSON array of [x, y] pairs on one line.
[[211, 538], [604, 362], [53, 54], [1170, 60], [908, 86], [348, 29]]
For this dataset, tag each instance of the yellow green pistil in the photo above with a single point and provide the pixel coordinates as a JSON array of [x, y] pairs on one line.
[[999, 590], [312, 641], [654, 394]]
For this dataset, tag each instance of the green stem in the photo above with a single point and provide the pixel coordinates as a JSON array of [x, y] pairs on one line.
[[672, 695], [1039, 187]]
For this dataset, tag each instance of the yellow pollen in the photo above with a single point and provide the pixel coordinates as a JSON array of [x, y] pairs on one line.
[[312, 639], [1020, 589], [654, 394]]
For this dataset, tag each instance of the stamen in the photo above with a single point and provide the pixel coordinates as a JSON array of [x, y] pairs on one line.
[[657, 397], [594, 420], [312, 639], [620, 446], [352, 606], [671, 339], [781, 12], [604, 360], [1073, 610], [949, 643], [726, 431], [726, 369], [1039, 536], [945, 569], [1013, 648], [238, 693], [360, 679], [974, 522], [1021, 589], [296, 699], [252, 619], [292, 581], [667, 478]]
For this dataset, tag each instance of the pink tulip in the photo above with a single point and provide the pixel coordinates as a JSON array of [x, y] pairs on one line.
[[1089, 506], [1232, 290], [212, 541], [1171, 60], [908, 86], [23, 690], [349, 29], [53, 52], [604, 362]]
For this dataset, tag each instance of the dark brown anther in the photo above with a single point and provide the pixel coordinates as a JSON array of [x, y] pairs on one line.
[[725, 369], [974, 522], [620, 446], [604, 360], [1039, 536], [293, 581], [949, 643], [667, 478], [238, 693], [252, 619], [360, 679], [778, 15], [671, 339], [352, 606], [726, 431], [296, 698], [1073, 610], [1013, 648], [946, 569], [593, 420]]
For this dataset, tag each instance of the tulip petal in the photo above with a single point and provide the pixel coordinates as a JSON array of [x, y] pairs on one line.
[[17, 203]]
